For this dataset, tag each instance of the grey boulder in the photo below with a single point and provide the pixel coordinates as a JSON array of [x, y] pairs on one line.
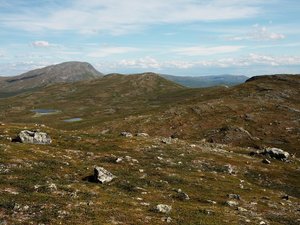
[[102, 175], [33, 137], [277, 153], [162, 208]]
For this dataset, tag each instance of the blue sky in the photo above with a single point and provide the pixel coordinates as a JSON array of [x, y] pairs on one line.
[[180, 37]]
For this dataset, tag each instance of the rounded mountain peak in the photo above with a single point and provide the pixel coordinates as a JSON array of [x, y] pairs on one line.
[[66, 72]]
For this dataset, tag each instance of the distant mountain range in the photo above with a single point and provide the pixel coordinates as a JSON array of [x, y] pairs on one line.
[[207, 81], [70, 72]]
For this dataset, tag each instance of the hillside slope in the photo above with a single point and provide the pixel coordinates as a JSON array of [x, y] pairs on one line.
[[265, 111], [97, 100], [258, 113]]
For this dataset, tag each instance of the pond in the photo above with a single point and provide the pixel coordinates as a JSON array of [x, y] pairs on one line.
[[45, 111], [73, 120]]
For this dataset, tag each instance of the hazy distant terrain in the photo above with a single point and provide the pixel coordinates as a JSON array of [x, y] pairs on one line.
[[207, 81]]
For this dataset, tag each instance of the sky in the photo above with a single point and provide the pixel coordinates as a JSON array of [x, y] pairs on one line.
[[179, 37]]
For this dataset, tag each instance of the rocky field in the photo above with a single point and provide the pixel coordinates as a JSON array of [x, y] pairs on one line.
[[142, 150], [156, 180]]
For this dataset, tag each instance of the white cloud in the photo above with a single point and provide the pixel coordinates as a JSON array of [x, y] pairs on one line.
[[274, 60], [238, 62], [203, 51], [107, 51], [117, 16], [259, 34], [244, 63], [143, 63], [16, 68], [41, 44]]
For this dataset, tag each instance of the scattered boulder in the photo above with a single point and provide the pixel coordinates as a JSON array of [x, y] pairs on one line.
[[33, 137], [119, 160], [234, 196], [52, 187], [102, 175], [229, 169], [241, 209], [166, 219], [266, 161], [142, 135], [232, 203], [276, 153], [249, 117], [126, 134], [123, 159], [285, 197], [167, 141], [48, 187], [162, 208], [211, 201], [130, 159], [182, 195]]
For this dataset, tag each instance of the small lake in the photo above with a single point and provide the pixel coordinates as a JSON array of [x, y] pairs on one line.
[[77, 119], [45, 111]]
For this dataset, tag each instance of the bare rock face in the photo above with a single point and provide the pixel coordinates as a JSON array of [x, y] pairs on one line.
[[277, 153], [102, 175], [33, 137]]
